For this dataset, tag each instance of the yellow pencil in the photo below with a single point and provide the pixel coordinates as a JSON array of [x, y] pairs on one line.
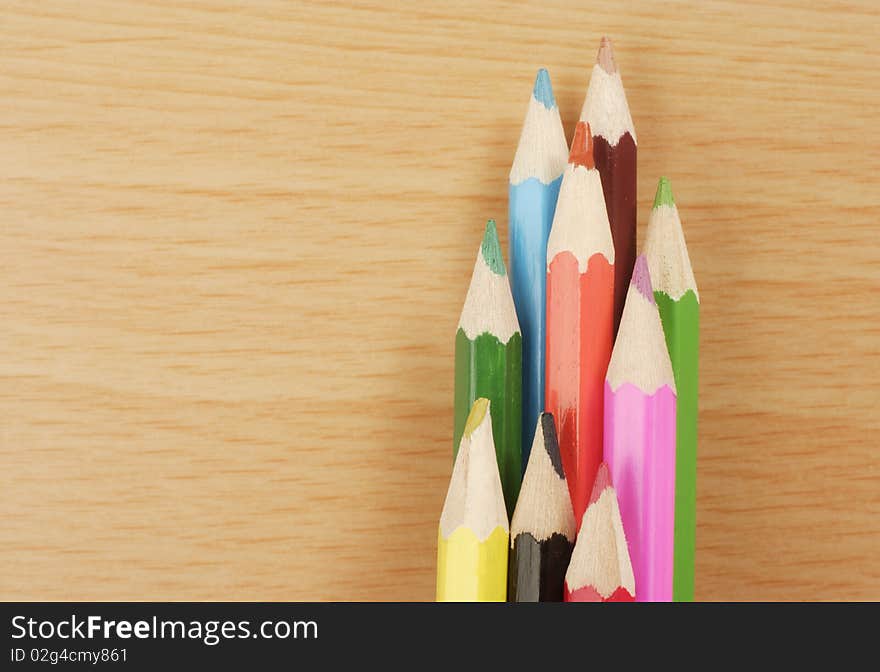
[[473, 536]]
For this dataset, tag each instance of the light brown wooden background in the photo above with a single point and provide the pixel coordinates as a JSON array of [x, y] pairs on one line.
[[236, 239]]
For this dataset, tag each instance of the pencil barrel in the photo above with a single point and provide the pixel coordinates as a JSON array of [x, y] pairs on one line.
[[616, 164], [681, 326], [470, 569], [537, 568], [485, 367], [532, 205], [579, 339], [640, 452], [590, 594]]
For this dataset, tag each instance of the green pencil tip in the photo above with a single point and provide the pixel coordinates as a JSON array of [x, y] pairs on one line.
[[664, 194], [491, 249]]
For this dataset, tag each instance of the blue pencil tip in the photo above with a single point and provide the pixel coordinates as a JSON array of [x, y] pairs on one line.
[[543, 92]]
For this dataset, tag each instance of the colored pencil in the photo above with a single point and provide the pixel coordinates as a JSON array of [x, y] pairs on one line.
[[600, 569], [535, 177], [473, 535], [640, 437], [678, 301], [614, 150], [542, 531], [488, 361], [580, 304]]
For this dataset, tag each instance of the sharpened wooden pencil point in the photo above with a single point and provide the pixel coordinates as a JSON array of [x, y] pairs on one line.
[[605, 56], [641, 279], [664, 194], [603, 480], [475, 417], [582, 146], [491, 249], [600, 569], [543, 91]]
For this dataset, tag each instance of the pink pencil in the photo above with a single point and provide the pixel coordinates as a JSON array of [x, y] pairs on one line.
[[640, 437]]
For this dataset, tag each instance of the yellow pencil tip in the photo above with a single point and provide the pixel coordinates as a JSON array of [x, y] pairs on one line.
[[475, 417]]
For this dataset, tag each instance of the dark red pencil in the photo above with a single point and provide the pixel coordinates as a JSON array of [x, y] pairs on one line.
[[614, 152]]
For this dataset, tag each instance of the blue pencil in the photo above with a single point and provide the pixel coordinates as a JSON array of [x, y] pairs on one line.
[[535, 176]]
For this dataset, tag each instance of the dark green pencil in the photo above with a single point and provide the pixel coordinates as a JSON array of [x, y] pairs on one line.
[[488, 361]]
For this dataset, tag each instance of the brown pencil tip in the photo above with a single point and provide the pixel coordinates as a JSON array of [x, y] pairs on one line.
[[582, 146], [602, 482], [605, 57]]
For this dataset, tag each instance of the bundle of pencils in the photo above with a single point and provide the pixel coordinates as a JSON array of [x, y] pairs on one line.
[[575, 378]]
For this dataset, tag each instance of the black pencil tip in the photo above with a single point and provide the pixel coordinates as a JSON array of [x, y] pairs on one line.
[[551, 443]]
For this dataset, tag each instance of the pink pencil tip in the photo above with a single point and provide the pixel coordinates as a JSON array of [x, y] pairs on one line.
[[641, 278], [602, 482]]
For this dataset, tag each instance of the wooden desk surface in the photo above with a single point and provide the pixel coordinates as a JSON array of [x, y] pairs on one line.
[[236, 240]]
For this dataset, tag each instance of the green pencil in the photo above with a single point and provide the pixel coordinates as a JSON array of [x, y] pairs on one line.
[[678, 300], [488, 362]]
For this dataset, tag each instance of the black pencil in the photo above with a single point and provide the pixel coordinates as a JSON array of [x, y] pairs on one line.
[[543, 529]]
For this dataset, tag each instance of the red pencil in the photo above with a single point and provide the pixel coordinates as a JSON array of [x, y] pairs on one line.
[[580, 318], [600, 568]]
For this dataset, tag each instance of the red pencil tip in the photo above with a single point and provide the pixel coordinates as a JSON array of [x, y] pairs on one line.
[[602, 482], [582, 146]]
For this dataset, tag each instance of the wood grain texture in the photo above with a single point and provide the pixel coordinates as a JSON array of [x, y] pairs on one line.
[[236, 239]]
